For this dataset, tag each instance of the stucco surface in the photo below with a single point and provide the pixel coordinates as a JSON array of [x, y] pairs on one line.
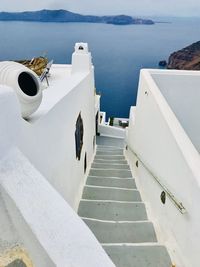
[[57, 228]]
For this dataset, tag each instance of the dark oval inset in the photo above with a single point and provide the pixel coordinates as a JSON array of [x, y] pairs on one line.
[[27, 84], [163, 197]]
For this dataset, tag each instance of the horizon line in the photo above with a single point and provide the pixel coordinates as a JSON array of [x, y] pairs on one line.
[[89, 14]]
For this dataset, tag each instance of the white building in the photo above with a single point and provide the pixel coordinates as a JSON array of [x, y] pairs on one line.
[[46, 158]]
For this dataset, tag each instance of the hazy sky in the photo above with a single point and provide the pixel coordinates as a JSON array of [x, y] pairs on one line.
[[131, 7]]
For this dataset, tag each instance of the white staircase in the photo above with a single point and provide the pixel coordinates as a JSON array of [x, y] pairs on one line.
[[112, 208]]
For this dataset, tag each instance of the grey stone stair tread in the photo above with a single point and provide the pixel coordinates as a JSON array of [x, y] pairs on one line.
[[116, 152], [111, 182], [110, 157], [136, 232], [110, 166], [110, 194], [108, 148], [115, 214], [110, 141], [110, 161], [111, 173], [112, 211], [139, 256]]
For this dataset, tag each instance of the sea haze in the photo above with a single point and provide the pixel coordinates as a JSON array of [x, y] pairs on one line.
[[119, 52]]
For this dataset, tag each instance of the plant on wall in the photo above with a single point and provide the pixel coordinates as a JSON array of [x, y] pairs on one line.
[[111, 121]]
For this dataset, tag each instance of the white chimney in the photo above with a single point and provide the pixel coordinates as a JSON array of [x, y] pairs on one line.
[[81, 58]]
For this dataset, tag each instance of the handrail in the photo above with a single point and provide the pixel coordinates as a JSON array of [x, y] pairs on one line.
[[171, 196]]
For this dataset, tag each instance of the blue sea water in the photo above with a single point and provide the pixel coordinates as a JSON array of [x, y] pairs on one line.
[[119, 52]]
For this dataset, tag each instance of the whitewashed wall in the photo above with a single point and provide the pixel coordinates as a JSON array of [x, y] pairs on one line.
[[49, 230], [41, 180], [9, 134], [159, 140], [49, 143], [182, 92], [111, 131]]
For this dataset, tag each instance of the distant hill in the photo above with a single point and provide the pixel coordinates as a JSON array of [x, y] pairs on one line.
[[187, 58], [67, 16]]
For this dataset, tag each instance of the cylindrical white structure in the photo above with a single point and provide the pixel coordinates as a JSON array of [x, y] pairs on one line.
[[25, 83]]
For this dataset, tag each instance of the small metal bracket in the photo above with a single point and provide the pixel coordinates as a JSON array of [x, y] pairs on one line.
[[163, 197]]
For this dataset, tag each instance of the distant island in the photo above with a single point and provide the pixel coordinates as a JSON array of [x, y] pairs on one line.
[[187, 58], [67, 16]]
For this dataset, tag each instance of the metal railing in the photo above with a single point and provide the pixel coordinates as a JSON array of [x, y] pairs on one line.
[[171, 196]]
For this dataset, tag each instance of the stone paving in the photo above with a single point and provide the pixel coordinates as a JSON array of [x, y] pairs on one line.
[[112, 208]]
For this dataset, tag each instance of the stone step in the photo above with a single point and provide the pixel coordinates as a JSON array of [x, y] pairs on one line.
[[111, 173], [139, 256], [108, 148], [126, 232], [110, 161], [110, 166], [113, 211], [112, 208], [116, 152], [112, 182], [110, 157], [106, 193], [110, 141]]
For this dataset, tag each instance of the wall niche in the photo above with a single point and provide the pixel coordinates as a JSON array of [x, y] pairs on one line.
[[79, 136]]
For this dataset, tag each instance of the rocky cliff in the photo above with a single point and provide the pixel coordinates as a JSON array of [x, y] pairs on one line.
[[187, 58]]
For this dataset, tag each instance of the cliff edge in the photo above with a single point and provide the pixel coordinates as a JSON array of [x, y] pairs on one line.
[[187, 58]]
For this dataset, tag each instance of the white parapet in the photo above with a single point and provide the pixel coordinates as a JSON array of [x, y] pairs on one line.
[[164, 139], [50, 230], [10, 119], [130, 128], [111, 131], [103, 117], [81, 58]]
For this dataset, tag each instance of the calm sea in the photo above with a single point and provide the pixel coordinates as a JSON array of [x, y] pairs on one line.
[[119, 52]]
